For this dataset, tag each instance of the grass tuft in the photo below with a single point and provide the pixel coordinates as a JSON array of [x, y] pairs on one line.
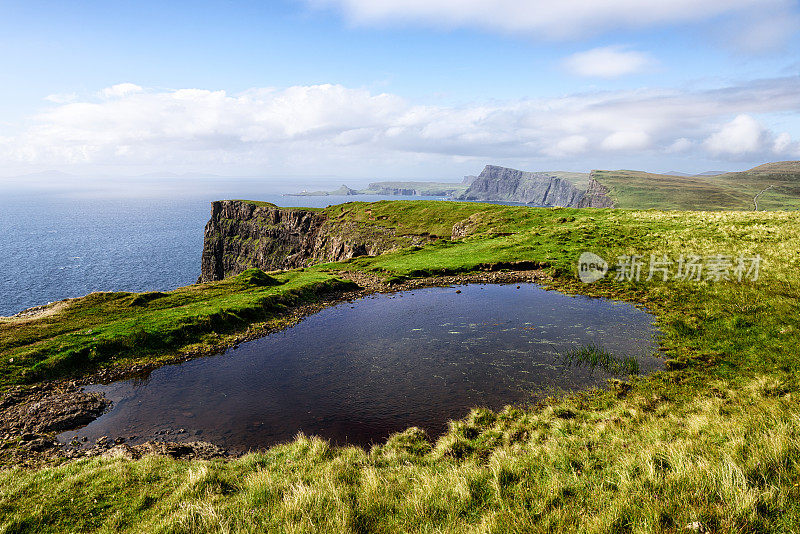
[[594, 356]]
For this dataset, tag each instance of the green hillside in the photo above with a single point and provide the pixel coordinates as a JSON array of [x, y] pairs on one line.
[[776, 184], [578, 179]]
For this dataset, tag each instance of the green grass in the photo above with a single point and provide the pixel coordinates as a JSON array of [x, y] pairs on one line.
[[416, 217], [714, 438], [730, 191], [594, 356], [117, 328]]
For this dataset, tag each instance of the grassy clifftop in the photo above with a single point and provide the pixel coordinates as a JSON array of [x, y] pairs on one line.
[[712, 443], [80, 335]]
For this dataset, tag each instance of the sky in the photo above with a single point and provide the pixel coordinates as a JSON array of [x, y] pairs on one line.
[[396, 89]]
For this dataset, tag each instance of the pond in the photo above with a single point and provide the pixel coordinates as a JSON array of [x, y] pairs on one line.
[[356, 372]]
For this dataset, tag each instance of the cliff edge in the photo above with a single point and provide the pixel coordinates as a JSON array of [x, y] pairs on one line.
[[512, 185], [243, 234], [597, 195]]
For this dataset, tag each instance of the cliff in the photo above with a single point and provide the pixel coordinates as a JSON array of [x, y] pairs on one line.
[[510, 185], [419, 189], [596, 196], [435, 189], [244, 234]]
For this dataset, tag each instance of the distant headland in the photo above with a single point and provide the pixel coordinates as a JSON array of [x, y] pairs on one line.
[[766, 187]]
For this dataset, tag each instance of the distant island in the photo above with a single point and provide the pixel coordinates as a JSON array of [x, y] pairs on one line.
[[767, 187], [422, 189]]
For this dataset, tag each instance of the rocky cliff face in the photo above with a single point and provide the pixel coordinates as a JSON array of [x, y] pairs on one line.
[[597, 196], [241, 235], [511, 185], [384, 189]]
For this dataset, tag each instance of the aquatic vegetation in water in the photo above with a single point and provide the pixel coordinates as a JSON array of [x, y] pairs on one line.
[[594, 356]]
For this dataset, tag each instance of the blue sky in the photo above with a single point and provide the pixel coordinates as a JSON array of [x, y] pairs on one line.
[[396, 89]]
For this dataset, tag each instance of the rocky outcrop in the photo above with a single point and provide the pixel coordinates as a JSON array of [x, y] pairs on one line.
[[429, 189], [49, 408], [242, 234], [383, 189], [511, 185], [597, 196]]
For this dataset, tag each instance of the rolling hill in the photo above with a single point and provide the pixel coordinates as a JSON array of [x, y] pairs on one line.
[[774, 186]]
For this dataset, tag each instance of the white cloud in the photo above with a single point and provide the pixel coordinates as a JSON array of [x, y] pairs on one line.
[[626, 141], [785, 146], [121, 89], [607, 62], [565, 18], [782, 143], [61, 98], [570, 145], [680, 145], [741, 135], [334, 128]]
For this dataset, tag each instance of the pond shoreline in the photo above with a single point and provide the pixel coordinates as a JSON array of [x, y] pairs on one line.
[[30, 413]]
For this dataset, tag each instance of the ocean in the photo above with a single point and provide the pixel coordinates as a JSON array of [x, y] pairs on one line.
[[57, 246]]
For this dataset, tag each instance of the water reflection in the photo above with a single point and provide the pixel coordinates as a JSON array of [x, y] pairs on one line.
[[356, 372]]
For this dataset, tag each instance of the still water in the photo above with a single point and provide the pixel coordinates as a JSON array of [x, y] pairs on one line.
[[359, 371]]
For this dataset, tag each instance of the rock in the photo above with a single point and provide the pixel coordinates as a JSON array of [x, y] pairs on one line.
[[184, 451], [40, 444], [466, 227], [241, 235], [381, 189], [597, 196], [539, 188], [41, 410]]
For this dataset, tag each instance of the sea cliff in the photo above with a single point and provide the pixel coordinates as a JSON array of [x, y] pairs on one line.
[[596, 196], [244, 234], [511, 185]]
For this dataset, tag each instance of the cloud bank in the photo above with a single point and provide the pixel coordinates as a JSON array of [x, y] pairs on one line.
[[563, 19], [309, 128]]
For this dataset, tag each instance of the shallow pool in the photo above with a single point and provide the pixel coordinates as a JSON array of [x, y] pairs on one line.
[[358, 371]]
